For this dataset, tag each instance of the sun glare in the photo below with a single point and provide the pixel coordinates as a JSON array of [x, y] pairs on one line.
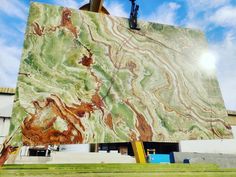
[[208, 62]]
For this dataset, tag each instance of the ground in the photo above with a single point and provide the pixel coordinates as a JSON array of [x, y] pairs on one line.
[[116, 170]]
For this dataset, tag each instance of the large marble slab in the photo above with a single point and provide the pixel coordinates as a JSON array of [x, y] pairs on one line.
[[88, 78]]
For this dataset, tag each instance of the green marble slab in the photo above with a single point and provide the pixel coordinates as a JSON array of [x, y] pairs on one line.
[[87, 78]]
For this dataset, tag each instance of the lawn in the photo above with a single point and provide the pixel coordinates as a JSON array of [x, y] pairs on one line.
[[116, 170]]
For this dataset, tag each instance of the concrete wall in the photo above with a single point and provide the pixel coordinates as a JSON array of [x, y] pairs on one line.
[[75, 148], [4, 128], [75, 158], [210, 146], [223, 160], [6, 103]]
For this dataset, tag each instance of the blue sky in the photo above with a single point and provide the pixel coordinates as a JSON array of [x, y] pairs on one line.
[[217, 18]]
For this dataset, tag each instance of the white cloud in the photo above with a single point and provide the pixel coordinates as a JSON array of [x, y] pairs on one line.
[[10, 40], [204, 5], [14, 8], [9, 64], [166, 14], [71, 3], [199, 12], [116, 9], [225, 16], [226, 51]]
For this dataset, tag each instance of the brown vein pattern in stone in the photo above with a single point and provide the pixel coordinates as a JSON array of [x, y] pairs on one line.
[[143, 127], [108, 121], [37, 29], [38, 128], [79, 67], [66, 21]]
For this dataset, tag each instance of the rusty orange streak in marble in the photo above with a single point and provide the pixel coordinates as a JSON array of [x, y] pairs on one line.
[[143, 127], [81, 109], [37, 29], [96, 99], [87, 60], [108, 121], [45, 133], [6, 151], [66, 21]]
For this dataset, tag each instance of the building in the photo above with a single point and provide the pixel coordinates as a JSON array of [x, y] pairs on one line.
[[6, 104]]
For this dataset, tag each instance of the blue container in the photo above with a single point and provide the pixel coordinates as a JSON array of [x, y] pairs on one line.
[[159, 158]]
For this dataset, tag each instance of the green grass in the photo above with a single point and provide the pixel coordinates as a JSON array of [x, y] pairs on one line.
[[116, 170]]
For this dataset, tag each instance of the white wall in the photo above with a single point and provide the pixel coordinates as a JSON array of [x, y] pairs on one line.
[[6, 104], [210, 146], [234, 131], [4, 128], [75, 148]]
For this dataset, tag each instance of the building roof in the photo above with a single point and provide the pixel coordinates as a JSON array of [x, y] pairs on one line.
[[231, 119], [231, 113], [7, 91]]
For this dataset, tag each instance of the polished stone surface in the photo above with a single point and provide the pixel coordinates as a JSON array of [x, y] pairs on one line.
[[88, 78]]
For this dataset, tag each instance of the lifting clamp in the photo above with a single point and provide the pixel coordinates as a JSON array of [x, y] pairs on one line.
[[133, 19]]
